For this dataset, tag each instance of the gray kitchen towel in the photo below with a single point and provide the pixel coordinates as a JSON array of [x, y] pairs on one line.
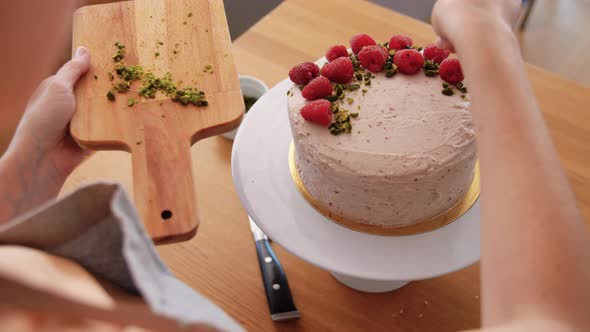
[[98, 227]]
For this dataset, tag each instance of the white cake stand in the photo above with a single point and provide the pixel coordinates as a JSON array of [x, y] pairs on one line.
[[369, 263]]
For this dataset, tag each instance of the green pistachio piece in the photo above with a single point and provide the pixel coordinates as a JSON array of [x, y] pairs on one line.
[[448, 92]]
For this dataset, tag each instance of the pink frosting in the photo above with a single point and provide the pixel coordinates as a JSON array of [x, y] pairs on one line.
[[410, 155]]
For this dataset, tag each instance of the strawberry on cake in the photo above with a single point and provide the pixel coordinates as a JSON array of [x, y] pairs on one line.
[[383, 135]]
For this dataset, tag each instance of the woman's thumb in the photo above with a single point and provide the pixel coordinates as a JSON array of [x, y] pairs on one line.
[[71, 72]]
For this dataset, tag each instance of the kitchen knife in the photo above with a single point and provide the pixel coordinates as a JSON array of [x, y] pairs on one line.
[[278, 294]]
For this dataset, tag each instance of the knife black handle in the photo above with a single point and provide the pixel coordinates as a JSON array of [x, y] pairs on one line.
[[278, 294]]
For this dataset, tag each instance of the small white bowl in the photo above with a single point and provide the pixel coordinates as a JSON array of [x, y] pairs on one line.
[[251, 87]]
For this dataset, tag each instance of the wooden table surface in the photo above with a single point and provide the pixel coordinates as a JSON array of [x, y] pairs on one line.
[[220, 261]]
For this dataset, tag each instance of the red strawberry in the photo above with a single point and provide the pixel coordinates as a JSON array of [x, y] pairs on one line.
[[409, 61], [339, 70], [336, 52], [400, 42], [317, 112], [357, 42], [436, 54], [373, 58], [304, 72], [450, 71], [384, 50], [319, 87]]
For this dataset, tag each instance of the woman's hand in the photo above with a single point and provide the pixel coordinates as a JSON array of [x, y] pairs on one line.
[[451, 19], [42, 153], [44, 128]]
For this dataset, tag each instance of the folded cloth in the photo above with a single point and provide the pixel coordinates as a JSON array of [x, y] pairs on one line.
[[98, 227]]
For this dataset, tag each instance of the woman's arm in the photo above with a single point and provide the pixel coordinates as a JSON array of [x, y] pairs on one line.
[[535, 246], [42, 153]]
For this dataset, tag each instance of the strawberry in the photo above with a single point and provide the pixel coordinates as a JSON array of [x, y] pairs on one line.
[[304, 72], [339, 70], [408, 61], [450, 71], [319, 87], [400, 42], [373, 58], [434, 53], [335, 52], [357, 42], [317, 112]]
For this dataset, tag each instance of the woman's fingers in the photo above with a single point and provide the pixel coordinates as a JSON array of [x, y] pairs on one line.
[[71, 72], [445, 44]]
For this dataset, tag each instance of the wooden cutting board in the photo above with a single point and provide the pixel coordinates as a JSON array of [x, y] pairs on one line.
[[180, 37]]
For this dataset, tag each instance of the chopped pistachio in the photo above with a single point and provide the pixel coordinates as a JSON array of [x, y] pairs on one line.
[[341, 121], [354, 115], [359, 77], [431, 73], [353, 87], [391, 72], [111, 76], [364, 91], [463, 96], [160, 43], [355, 61], [208, 67], [157, 54], [367, 82], [120, 53], [367, 76], [448, 92], [338, 89], [128, 73], [430, 65], [388, 65], [445, 85], [185, 23], [122, 86], [349, 100], [332, 98], [392, 52], [463, 89], [152, 84], [190, 14]]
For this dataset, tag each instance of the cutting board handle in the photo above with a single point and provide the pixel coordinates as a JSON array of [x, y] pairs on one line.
[[163, 185]]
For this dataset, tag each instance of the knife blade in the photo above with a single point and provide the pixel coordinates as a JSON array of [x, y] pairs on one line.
[[278, 295]]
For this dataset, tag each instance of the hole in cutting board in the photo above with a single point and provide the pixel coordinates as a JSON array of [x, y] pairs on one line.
[[166, 214]]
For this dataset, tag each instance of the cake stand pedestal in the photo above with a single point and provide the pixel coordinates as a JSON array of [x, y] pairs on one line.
[[365, 262], [368, 285]]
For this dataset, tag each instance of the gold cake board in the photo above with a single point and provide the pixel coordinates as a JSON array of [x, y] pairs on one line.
[[431, 224]]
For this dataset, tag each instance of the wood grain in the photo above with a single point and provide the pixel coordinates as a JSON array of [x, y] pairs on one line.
[[220, 261], [177, 37]]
